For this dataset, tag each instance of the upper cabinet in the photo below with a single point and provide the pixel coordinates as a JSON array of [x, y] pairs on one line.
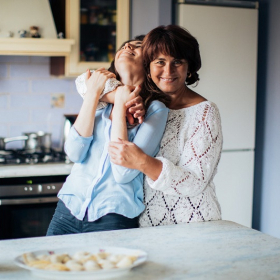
[[16, 19], [98, 27]]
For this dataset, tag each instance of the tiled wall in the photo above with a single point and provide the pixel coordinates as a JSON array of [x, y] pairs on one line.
[[26, 91]]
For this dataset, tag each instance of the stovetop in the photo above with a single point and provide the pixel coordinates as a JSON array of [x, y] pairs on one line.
[[19, 163], [16, 157]]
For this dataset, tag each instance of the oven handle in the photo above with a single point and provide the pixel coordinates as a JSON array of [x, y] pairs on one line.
[[36, 200]]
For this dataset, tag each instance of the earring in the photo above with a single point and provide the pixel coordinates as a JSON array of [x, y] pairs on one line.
[[189, 75]]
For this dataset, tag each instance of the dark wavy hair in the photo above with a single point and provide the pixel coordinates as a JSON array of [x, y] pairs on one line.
[[146, 94], [174, 41]]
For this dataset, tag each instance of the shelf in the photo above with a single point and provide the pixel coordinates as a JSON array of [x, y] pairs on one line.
[[35, 46]]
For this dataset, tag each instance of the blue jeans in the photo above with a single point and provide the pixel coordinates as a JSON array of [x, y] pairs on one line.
[[63, 222]]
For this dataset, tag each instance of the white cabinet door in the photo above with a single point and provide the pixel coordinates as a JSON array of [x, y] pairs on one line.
[[234, 186], [228, 44]]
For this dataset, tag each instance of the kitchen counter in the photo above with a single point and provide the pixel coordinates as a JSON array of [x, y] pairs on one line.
[[40, 169], [206, 250]]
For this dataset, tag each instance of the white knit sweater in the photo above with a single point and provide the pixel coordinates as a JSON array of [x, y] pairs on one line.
[[190, 151]]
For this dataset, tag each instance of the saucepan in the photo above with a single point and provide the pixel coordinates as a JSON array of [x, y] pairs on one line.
[[34, 141]]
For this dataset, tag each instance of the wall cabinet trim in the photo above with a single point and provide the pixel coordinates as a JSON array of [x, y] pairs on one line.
[[73, 65], [35, 46]]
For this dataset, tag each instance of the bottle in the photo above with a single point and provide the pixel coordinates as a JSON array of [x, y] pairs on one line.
[[93, 15], [84, 16], [111, 53]]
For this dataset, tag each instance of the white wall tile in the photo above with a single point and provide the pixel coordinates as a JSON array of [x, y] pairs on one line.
[[14, 116], [29, 70], [4, 101], [3, 70], [26, 89], [14, 59], [15, 85], [51, 85], [30, 101]]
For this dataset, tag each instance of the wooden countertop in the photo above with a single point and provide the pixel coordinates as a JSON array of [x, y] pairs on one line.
[[205, 250]]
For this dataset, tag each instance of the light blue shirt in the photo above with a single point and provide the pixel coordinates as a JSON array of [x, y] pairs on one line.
[[97, 184]]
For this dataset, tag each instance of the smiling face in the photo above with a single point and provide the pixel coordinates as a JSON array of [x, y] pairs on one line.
[[131, 55], [168, 73]]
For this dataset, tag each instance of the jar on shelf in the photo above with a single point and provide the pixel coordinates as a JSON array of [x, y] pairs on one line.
[[111, 53], [93, 15], [84, 15], [114, 16]]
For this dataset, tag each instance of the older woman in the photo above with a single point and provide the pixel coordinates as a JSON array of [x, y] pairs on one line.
[[179, 185], [99, 195]]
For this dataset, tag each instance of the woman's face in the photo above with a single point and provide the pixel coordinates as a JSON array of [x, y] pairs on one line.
[[130, 54], [169, 73]]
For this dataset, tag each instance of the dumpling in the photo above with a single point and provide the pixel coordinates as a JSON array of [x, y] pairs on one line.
[[91, 265], [56, 266], [125, 262], [74, 265], [105, 264]]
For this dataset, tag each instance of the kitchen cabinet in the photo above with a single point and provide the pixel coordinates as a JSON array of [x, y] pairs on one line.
[[20, 15], [98, 28], [35, 47]]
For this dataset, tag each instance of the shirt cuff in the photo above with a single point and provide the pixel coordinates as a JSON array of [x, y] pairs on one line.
[[76, 136], [163, 181]]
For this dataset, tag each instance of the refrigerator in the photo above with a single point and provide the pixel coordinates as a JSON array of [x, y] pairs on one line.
[[228, 43]]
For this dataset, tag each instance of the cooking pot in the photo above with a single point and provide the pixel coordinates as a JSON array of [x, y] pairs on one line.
[[34, 141], [44, 141], [3, 140]]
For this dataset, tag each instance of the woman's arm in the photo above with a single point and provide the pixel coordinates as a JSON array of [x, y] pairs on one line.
[[195, 167], [119, 127], [147, 140], [135, 108], [95, 83], [77, 144], [129, 155]]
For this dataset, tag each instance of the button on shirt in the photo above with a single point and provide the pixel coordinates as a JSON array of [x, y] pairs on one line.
[[97, 184]]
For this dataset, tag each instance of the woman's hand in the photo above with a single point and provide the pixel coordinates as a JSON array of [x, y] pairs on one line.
[[126, 154], [129, 155], [95, 81], [126, 93], [129, 96], [135, 109]]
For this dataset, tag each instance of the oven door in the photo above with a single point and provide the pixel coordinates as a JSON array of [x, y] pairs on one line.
[[27, 205], [26, 217]]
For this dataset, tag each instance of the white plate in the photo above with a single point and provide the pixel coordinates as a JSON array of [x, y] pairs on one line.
[[97, 274]]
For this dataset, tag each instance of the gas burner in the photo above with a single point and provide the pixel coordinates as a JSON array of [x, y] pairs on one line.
[[24, 157]]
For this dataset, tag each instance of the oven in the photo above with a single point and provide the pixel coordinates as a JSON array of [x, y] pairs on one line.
[[27, 205], [29, 183]]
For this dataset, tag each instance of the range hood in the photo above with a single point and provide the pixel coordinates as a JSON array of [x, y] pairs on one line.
[[18, 15]]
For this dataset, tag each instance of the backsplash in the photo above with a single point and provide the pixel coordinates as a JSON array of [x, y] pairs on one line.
[[27, 94]]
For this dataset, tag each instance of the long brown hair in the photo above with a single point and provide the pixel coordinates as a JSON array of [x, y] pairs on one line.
[[146, 94], [174, 41]]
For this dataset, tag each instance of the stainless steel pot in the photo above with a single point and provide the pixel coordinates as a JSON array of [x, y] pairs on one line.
[[31, 143], [34, 141], [44, 141], [3, 140]]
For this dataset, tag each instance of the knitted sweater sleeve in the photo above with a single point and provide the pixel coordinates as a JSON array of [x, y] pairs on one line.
[[110, 85], [197, 164]]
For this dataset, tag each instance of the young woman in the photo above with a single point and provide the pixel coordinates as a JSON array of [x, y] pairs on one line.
[[178, 185], [99, 195]]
